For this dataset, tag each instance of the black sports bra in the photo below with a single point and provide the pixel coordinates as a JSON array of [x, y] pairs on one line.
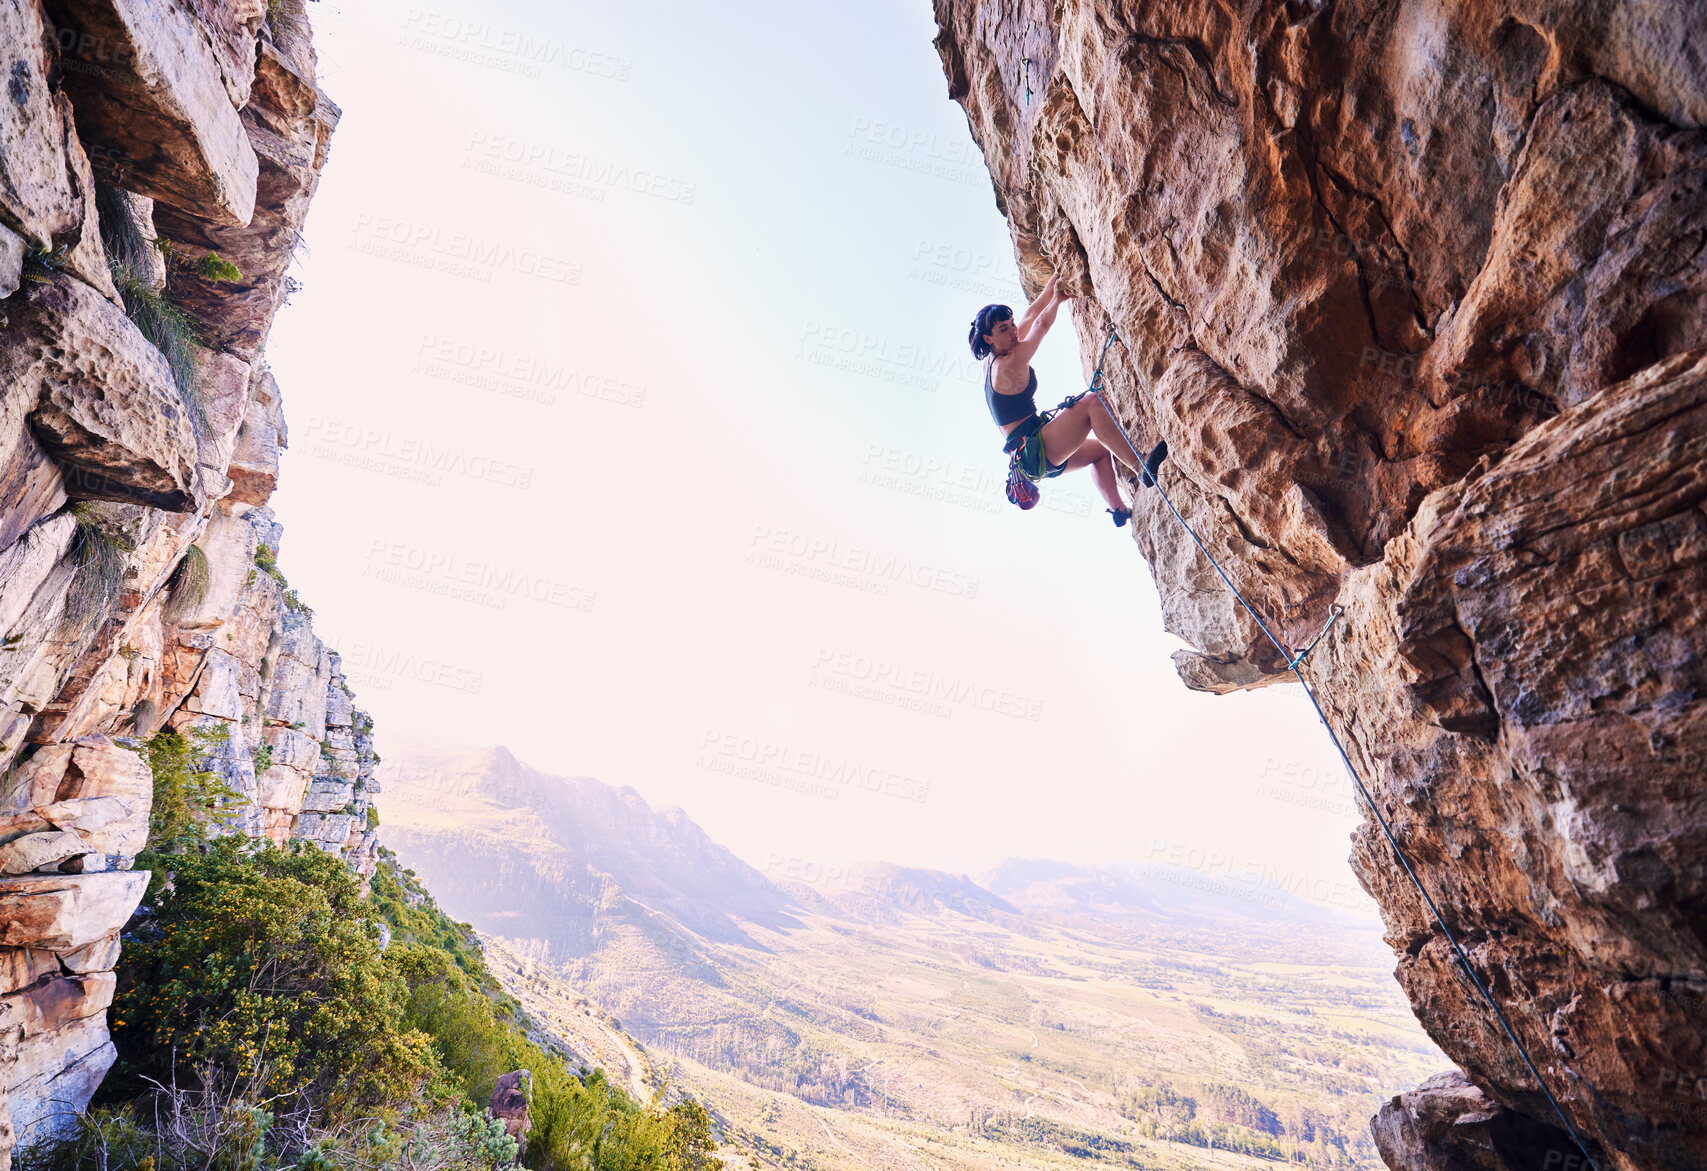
[[1011, 408]]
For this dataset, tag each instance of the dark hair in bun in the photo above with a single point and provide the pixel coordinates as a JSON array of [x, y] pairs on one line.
[[982, 324]]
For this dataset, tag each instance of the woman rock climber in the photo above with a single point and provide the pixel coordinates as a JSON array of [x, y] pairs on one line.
[[1054, 441]]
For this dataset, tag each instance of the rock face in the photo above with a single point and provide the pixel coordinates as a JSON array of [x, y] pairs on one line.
[[139, 587], [1417, 295], [509, 1105], [1447, 1124], [157, 103]]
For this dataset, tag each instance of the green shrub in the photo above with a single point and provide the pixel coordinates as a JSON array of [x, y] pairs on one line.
[[100, 1138], [210, 265], [267, 560], [168, 327], [474, 1042], [478, 1035], [259, 982], [101, 557], [215, 267], [399, 899], [262, 972], [40, 264], [100, 553], [189, 797], [688, 1141]]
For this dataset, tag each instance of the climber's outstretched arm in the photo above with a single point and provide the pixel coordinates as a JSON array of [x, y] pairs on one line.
[[1049, 297], [1042, 312]]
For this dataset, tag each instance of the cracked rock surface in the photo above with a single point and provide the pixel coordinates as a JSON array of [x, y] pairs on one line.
[[139, 580], [1417, 295]]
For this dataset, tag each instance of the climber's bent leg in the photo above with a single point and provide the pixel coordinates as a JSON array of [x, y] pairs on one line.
[[1063, 434], [1095, 456]]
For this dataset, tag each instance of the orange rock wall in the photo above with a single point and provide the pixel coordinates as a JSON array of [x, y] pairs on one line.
[[1416, 293]]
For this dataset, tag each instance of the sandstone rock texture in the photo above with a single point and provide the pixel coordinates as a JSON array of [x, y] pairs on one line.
[[1447, 1124], [1417, 295], [139, 581]]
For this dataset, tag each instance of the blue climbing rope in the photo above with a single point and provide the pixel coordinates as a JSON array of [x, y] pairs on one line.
[[1295, 663]]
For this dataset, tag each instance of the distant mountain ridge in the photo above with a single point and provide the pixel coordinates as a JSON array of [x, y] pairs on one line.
[[527, 854], [524, 853]]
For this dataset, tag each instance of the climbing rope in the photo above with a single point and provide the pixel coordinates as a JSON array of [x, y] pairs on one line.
[[1295, 663]]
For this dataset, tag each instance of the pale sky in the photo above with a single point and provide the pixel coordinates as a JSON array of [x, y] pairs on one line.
[[633, 427]]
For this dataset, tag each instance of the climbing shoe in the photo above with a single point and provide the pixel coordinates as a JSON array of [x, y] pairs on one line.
[[1120, 515], [1153, 463]]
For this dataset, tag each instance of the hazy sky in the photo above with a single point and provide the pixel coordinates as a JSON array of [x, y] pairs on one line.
[[633, 427]]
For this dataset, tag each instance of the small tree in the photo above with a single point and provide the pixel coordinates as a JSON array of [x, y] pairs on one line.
[[688, 1141], [189, 796]]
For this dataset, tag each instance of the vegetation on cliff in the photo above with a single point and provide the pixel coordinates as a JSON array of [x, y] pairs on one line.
[[480, 1033], [271, 1013]]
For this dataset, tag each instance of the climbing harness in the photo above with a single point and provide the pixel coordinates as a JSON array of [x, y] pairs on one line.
[[1295, 663], [1028, 461]]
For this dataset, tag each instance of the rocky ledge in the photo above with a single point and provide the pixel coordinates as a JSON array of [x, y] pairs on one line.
[[1416, 293]]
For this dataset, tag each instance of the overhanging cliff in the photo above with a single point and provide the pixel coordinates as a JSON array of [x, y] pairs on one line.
[[1416, 294]]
